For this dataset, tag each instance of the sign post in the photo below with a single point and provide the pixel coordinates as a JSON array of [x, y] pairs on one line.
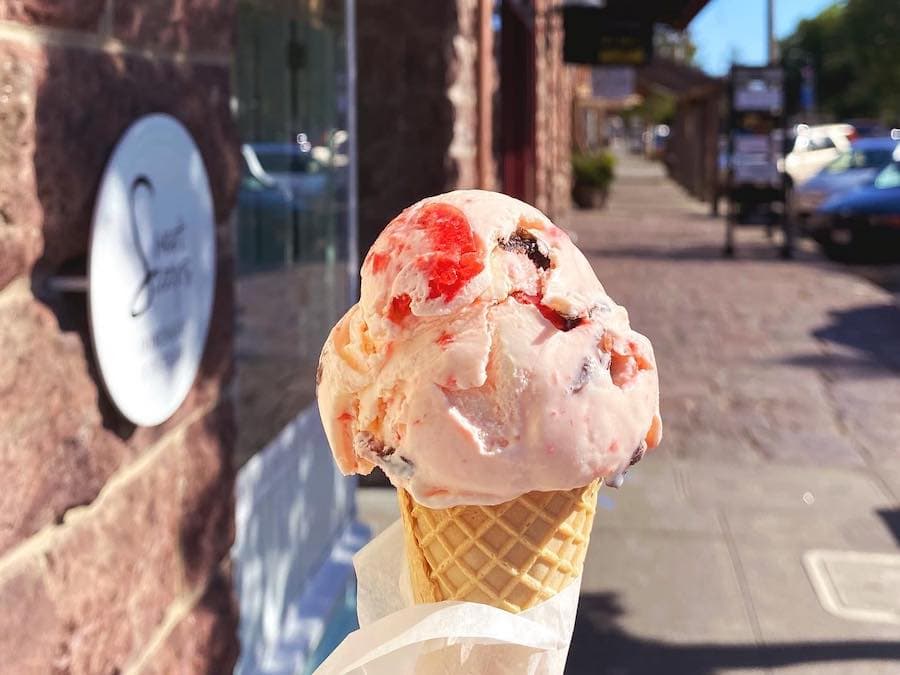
[[755, 150]]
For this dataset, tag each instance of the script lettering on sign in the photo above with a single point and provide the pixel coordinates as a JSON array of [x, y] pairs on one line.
[[167, 268]]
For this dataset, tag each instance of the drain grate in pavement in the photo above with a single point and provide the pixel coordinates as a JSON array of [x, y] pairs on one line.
[[856, 585]]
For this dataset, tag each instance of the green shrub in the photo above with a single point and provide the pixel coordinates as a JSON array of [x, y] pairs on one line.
[[596, 169]]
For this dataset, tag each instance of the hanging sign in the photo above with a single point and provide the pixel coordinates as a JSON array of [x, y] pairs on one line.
[[593, 36]]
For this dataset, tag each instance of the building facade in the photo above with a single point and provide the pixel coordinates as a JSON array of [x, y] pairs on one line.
[[218, 538], [461, 94]]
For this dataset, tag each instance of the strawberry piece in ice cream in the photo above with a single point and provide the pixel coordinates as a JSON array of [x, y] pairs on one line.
[[399, 308], [455, 258]]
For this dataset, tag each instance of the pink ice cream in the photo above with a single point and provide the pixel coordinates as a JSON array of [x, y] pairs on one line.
[[484, 360]]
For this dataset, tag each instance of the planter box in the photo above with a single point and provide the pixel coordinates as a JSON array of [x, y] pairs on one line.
[[589, 196]]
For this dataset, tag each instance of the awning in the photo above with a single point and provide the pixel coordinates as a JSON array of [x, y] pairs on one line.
[[677, 79], [676, 13]]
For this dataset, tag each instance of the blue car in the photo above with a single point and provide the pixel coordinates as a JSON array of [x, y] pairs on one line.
[[862, 225], [857, 167]]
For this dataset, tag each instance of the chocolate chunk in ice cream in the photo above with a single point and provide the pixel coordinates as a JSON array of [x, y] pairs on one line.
[[368, 445], [385, 456], [522, 241], [638, 453]]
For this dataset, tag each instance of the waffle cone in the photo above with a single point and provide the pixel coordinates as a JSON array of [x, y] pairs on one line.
[[513, 555]]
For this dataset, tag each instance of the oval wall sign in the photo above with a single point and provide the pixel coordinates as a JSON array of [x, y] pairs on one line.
[[151, 269]]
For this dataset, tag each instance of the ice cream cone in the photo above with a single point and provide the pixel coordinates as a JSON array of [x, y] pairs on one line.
[[513, 555]]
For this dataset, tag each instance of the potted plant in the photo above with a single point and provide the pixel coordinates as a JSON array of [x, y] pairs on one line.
[[593, 173]]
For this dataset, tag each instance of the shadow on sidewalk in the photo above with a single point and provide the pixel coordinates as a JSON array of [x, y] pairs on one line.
[[872, 332], [891, 518], [701, 252], [599, 645]]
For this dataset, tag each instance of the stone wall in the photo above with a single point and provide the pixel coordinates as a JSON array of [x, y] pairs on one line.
[[417, 96], [114, 540], [418, 107], [553, 128]]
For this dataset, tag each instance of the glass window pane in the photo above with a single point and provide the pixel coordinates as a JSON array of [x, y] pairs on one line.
[[293, 222]]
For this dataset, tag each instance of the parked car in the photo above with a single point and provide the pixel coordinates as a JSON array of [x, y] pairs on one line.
[[814, 147], [854, 168], [862, 225]]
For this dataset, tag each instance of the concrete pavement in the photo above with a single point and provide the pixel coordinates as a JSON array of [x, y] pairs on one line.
[[764, 535]]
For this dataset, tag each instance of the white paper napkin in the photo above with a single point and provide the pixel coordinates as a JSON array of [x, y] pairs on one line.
[[398, 637]]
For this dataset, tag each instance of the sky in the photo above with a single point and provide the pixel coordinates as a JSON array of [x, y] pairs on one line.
[[737, 28]]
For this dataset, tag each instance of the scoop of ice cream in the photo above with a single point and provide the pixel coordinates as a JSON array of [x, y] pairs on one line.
[[484, 359]]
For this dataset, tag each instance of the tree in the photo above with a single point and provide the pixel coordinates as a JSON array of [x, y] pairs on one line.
[[873, 28], [853, 49]]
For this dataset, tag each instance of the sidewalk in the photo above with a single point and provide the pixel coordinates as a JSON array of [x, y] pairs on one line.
[[781, 406]]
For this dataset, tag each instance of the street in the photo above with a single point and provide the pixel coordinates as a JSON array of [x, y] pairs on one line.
[[775, 491]]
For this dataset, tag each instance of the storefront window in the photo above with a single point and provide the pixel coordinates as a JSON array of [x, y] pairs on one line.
[[294, 221]]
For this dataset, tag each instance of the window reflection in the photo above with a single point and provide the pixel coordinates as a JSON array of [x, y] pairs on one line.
[[293, 221]]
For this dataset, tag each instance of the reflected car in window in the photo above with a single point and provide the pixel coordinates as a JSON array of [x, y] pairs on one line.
[[295, 170], [862, 225], [283, 214], [857, 167]]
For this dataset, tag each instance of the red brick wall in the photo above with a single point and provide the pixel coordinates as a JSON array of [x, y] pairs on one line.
[[113, 539]]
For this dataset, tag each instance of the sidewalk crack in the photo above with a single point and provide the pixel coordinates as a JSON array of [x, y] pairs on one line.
[[741, 577]]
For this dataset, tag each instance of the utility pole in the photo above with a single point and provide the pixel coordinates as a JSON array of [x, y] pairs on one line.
[[770, 33]]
